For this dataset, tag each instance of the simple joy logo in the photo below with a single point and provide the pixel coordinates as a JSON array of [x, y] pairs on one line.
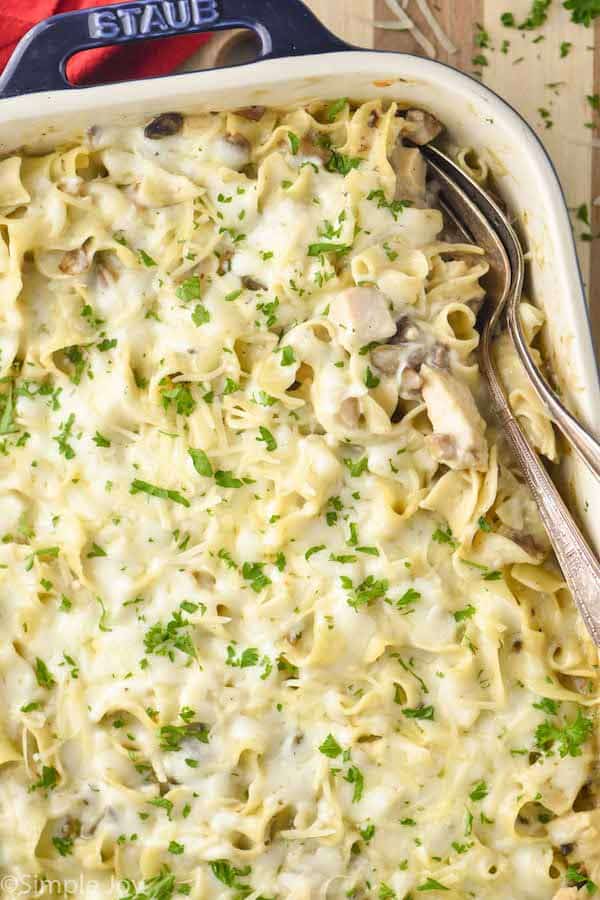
[[164, 17]]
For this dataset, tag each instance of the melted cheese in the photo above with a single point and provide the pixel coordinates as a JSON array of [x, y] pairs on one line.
[[257, 640]]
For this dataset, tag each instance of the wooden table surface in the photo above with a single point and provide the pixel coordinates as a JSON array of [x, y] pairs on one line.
[[550, 91]]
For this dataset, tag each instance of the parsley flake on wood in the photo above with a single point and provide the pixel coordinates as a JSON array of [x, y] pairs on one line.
[[583, 12], [144, 487]]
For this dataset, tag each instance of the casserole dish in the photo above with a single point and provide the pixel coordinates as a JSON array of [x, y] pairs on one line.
[[344, 662], [301, 59]]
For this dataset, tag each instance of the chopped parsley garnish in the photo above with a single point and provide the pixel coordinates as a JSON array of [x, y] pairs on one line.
[[63, 845], [284, 665], [181, 396], [576, 878], [461, 615], [367, 833], [483, 524], [171, 737], [479, 792], [64, 436], [253, 572], [45, 554], [294, 142], [7, 422], [335, 108], [189, 289], [354, 776], [550, 707], [248, 658], [233, 295], [144, 487], [75, 356], [175, 848], [432, 885], [146, 259], [444, 536], [396, 207], [267, 439], [408, 597], [225, 478], [357, 467], [322, 247], [419, 712], [107, 344], [366, 592], [48, 780], [43, 675], [228, 875], [330, 747], [288, 357], [100, 440], [370, 380], [95, 551], [312, 550], [569, 738], [337, 162], [163, 640], [200, 462], [200, 315]]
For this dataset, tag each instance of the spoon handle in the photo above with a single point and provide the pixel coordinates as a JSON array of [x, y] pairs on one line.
[[579, 437], [577, 561]]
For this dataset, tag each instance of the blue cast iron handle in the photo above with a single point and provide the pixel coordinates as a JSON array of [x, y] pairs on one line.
[[283, 27]]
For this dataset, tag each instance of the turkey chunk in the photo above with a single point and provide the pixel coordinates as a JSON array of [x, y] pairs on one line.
[[458, 429], [362, 316], [567, 893]]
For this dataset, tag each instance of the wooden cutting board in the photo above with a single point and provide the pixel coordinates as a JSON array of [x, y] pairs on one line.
[[550, 91]]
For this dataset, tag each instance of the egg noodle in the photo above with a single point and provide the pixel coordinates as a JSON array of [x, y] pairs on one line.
[[279, 616]]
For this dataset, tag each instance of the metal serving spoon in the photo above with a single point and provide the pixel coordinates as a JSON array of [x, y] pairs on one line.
[[480, 220]]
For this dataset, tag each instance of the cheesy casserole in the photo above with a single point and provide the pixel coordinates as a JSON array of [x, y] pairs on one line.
[[279, 617]]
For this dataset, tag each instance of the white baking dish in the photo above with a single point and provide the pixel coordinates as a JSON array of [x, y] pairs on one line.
[[309, 63]]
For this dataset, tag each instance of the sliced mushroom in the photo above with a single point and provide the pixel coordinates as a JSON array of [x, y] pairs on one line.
[[410, 170], [427, 127], [74, 262], [458, 429], [252, 284], [252, 113], [410, 383], [165, 125], [386, 358], [406, 330], [439, 356], [362, 316]]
